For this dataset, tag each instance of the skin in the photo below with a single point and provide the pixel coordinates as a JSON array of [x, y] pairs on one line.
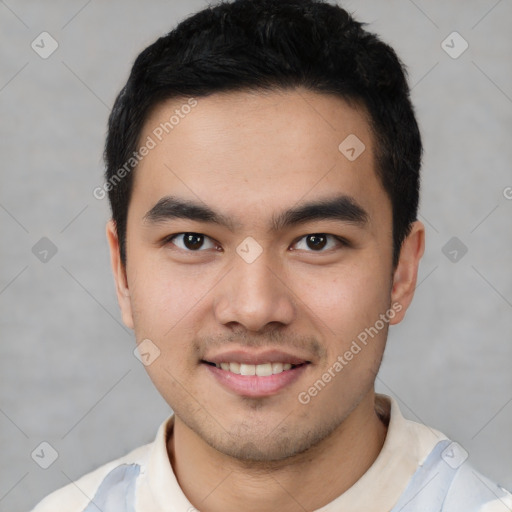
[[250, 156]]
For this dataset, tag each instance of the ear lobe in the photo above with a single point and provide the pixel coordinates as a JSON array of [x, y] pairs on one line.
[[406, 272], [120, 278]]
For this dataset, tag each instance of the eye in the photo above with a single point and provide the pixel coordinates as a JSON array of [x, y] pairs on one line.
[[190, 241], [319, 241]]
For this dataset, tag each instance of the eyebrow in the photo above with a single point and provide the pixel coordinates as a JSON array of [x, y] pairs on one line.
[[341, 208]]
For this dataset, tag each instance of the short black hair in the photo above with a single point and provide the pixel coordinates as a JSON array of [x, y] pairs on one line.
[[273, 45]]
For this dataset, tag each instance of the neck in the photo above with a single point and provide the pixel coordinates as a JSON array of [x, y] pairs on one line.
[[215, 482]]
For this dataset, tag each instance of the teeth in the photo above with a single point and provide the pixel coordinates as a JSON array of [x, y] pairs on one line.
[[264, 370], [261, 370], [247, 369], [277, 367], [234, 368]]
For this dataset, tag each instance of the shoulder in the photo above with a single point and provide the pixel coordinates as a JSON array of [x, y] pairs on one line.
[[76, 496], [472, 491], [447, 482], [444, 480]]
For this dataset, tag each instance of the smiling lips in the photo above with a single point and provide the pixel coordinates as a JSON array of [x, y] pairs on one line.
[[261, 370], [255, 375], [262, 364]]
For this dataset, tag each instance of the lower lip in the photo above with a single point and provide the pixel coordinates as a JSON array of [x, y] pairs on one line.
[[253, 385]]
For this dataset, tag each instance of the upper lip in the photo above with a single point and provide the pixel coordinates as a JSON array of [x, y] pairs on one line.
[[251, 357]]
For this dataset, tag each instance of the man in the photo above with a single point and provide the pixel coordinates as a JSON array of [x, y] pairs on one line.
[[263, 171]]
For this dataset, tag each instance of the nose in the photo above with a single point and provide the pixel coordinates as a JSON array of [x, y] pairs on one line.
[[254, 295]]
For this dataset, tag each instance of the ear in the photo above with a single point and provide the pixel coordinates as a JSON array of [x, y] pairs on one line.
[[119, 271], [406, 272]]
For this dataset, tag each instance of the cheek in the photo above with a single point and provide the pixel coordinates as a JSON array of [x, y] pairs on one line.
[[344, 299], [166, 306], [162, 297], [345, 305]]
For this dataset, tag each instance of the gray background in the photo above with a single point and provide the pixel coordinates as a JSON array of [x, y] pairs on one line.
[[67, 369]]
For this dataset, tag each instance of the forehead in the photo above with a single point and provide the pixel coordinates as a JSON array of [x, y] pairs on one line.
[[258, 150]]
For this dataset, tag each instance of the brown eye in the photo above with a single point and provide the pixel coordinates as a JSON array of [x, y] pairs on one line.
[[193, 242], [316, 242]]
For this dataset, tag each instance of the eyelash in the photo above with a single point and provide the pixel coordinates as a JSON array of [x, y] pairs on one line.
[[341, 241]]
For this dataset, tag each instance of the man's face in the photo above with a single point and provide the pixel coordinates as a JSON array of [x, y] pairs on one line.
[[253, 287]]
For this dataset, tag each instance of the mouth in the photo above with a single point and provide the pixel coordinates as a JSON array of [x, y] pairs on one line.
[[261, 370], [255, 376]]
